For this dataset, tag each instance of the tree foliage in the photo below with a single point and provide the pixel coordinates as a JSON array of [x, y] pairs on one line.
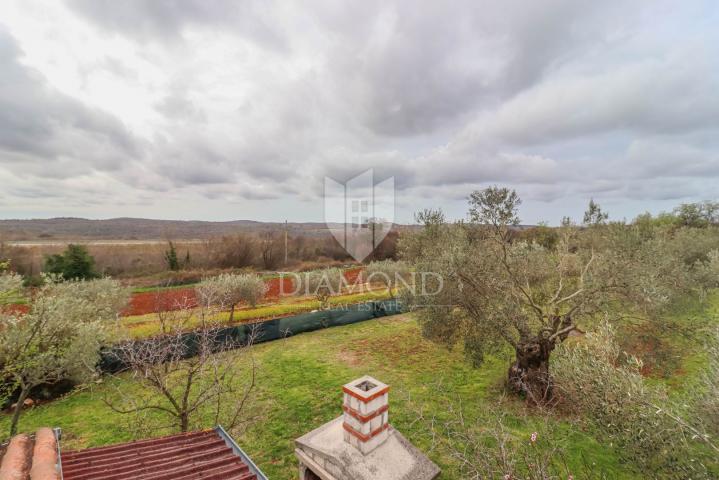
[[75, 263], [499, 290], [599, 381], [698, 215], [171, 257], [321, 283], [228, 290], [389, 273], [60, 337], [270, 249], [594, 214], [543, 235], [232, 251], [693, 215], [10, 286], [709, 396]]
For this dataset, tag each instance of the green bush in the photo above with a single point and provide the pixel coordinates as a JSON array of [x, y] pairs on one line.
[[171, 258], [598, 381], [75, 263]]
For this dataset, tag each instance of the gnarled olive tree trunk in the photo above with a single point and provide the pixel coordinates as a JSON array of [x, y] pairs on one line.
[[529, 374]]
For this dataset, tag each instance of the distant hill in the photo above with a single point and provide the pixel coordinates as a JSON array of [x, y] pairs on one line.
[[142, 229]]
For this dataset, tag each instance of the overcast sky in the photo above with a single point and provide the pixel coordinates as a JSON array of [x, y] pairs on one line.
[[226, 109]]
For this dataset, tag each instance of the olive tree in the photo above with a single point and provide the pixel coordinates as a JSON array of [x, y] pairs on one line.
[[605, 385], [389, 273], [497, 291], [228, 290], [321, 283], [59, 338]]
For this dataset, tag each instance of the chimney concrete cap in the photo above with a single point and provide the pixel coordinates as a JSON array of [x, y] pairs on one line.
[[365, 388], [361, 444]]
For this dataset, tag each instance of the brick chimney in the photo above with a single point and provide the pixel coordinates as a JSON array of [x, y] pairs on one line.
[[365, 420]]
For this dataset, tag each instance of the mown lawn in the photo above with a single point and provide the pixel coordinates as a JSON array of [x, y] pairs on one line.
[[299, 389]]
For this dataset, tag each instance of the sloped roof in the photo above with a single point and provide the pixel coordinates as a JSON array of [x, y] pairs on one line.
[[207, 454]]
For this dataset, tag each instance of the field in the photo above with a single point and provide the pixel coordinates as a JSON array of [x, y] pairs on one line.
[[140, 326], [134, 249], [299, 380], [278, 300], [299, 390]]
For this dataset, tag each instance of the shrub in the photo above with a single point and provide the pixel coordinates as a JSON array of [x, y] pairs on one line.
[[707, 273], [321, 283], [228, 290], [171, 258], [542, 234], [709, 401], [597, 380], [236, 251], [488, 444], [10, 287], [387, 272], [75, 263], [34, 281]]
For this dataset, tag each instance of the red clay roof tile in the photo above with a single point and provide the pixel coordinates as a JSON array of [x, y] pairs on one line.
[[15, 461], [187, 456], [30, 457]]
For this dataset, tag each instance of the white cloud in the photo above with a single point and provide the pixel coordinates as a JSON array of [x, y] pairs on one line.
[[210, 103]]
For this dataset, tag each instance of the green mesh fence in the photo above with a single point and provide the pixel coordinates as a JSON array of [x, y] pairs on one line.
[[266, 331]]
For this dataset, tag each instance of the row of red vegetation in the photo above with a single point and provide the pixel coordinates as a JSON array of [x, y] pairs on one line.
[[15, 309], [165, 300]]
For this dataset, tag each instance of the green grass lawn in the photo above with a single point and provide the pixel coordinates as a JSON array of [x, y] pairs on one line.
[[299, 390]]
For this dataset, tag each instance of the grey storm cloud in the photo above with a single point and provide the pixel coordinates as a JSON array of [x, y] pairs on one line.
[[166, 19], [179, 107], [413, 70], [250, 99], [38, 123]]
